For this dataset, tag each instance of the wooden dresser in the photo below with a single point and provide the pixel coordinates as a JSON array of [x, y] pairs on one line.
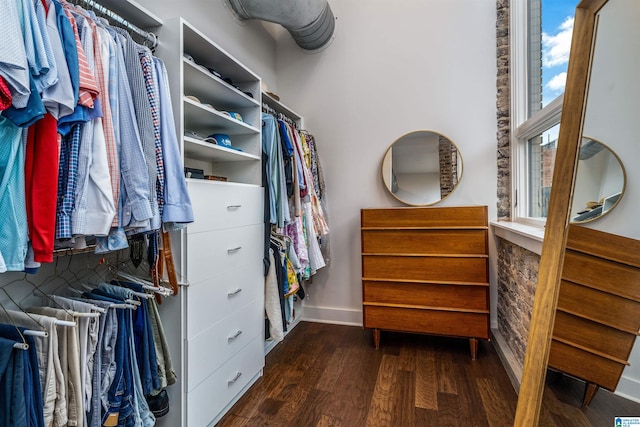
[[425, 270], [598, 312]]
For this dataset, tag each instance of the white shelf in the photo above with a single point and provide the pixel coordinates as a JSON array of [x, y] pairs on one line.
[[280, 107], [133, 12], [204, 120], [206, 52], [196, 148], [208, 88]]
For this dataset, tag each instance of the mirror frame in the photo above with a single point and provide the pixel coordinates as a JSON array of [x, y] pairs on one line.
[[441, 199], [555, 237], [624, 181]]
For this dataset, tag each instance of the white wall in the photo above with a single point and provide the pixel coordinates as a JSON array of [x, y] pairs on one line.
[[612, 117], [393, 68]]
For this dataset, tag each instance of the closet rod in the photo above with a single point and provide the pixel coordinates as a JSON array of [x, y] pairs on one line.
[[150, 37], [278, 115]]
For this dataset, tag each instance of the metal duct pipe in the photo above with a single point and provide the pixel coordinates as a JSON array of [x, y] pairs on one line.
[[310, 22]]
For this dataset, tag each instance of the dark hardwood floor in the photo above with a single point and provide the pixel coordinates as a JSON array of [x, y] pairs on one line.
[[329, 375]]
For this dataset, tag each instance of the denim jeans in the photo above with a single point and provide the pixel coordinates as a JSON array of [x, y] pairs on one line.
[[51, 380], [143, 414], [104, 365], [13, 410], [26, 371], [144, 342], [119, 396]]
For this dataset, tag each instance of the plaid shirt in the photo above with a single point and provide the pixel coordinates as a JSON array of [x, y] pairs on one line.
[[67, 182], [151, 84]]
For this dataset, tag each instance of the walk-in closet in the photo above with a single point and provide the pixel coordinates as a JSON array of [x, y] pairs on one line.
[[319, 213]]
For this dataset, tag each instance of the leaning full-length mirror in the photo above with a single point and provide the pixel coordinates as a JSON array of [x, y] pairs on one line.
[[601, 101], [422, 168]]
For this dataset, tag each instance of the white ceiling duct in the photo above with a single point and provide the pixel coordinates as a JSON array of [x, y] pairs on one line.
[[310, 22]]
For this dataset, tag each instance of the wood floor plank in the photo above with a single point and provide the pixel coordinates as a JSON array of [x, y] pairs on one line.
[[449, 410], [499, 409], [351, 400], [331, 373], [327, 421], [562, 412], [311, 411], [407, 357], [404, 413], [426, 380], [382, 404], [471, 408], [446, 375], [426, 418], [234, 421]]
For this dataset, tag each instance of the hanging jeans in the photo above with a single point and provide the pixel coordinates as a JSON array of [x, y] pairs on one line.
[[13, 411], [120, 395], [30, 374]]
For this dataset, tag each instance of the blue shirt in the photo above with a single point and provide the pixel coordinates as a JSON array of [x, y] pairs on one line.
[[13, 58], [13, 211], [134, 191], [177, 203]]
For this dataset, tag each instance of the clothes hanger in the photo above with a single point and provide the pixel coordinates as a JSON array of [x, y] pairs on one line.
[[23, 345], [42, 333]]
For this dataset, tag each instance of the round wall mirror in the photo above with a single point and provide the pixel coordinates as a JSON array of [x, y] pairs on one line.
[[600, 181], [422, 168]]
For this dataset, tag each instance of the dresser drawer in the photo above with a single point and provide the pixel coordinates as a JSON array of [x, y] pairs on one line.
[[599, 306], [593, 336], [212, 253], [214, 299], [471, 297], [602, 371], [209, 350], [451, 323], [219, 205], [440, 217], [205, 402], [441, 269], [424, 242]]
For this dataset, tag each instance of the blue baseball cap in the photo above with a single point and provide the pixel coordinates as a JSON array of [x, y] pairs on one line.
[[223, 140]]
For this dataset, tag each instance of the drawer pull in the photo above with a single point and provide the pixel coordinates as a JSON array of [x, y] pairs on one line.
[[236, 292], [236, 378], [236, 335], [233, 250], [231, 207]]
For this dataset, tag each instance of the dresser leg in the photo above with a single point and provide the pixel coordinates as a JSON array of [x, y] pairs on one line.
[[376, 338], [473, 345], [590, 391]]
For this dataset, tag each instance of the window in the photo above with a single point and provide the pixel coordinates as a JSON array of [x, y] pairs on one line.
[[541, 39]]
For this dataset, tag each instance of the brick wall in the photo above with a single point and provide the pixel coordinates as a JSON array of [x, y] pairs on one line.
[[503, 103], [448, 169], [517, 278]]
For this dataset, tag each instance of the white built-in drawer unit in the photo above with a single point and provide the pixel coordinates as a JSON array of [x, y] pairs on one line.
[[221, 252], [206, 402]]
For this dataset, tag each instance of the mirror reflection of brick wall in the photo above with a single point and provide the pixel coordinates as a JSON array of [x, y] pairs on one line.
[[448, 166]]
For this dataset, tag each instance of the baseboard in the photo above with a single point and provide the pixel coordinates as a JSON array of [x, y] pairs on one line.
[[629, 388], [338, 316], [511, 365]]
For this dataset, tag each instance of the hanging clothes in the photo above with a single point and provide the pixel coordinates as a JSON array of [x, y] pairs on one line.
[[90, 170]]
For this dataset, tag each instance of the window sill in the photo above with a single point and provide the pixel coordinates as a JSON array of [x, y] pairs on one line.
[[526, 236]]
